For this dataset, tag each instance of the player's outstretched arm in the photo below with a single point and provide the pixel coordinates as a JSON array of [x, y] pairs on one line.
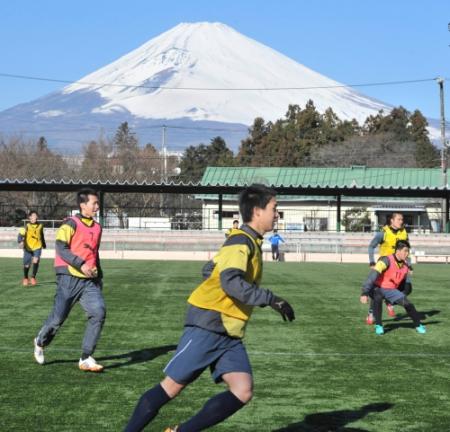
[[283, 308], [234, 284]]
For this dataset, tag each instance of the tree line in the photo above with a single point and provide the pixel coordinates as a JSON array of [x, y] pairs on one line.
[[307, 138], [302, 138]]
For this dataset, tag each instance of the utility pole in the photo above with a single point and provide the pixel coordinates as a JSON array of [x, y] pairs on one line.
[[163, 168], [445, 227], [164, 154], [440, 82]]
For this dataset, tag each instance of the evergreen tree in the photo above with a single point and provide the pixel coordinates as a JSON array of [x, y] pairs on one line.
[[126, 149], [426, 154], [196, 158], [253, 146]]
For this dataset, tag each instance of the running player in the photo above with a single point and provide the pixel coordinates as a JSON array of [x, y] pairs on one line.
[[31, 239], [78, 279], [219, 309]]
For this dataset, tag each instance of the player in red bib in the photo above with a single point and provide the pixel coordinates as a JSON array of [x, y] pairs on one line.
[[385, 281], [78, 279]]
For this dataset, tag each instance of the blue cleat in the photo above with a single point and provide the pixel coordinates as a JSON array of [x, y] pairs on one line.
[[379, 330], [421, 329]]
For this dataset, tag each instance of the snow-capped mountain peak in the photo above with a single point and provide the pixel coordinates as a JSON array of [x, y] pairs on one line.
[[176, 68], [204, 77]]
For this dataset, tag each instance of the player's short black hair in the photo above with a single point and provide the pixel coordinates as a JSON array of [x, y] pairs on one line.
[[83, 195], [256, 195], [235, 221], [33, 212], [401, 244], [392, 216]]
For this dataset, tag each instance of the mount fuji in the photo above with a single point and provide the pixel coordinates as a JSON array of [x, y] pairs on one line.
[[200, 80]]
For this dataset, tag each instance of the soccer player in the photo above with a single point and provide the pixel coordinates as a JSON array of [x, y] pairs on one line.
[[274, 242], [386, 239], [218, 312], [78, 279], [384, 281], [31, 239], [230, 230]]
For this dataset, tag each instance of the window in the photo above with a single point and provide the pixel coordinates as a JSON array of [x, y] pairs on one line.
[[316, 223]]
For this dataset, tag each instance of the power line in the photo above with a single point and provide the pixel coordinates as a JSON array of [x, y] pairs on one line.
[[64, 81]]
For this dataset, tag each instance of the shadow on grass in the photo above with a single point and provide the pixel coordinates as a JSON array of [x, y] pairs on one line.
[[40, 284], [392, 325], [335, 421], [127, 359], [423, 315], [139, 356]]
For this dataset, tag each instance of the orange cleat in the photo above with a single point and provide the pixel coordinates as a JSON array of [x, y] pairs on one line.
[[390, 310], [33, 281], [370, 318], [90, 365], [171, 429], [25, 281]]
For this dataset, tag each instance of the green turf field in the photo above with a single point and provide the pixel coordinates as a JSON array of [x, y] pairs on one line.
[[327, 371]]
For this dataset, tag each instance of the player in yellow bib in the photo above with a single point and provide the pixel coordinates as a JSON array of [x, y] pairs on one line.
[[234, 227], [218, 312], [386, 240], [31, 239], [385, 281]]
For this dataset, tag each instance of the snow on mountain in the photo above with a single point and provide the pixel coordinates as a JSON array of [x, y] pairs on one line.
[[215, 56], [191, 58]]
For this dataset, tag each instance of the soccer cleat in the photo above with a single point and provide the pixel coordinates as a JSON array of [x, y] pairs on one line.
[[38, 353], [90, 365], [171, 429], [379, 330], [421, 329], [391, 310], [25, 281], [33, 281], [370, 319]]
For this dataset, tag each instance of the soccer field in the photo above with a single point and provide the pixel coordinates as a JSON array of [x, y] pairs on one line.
[[326, 371]]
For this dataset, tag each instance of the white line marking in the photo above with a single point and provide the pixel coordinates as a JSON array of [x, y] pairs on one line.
[[122, 351]]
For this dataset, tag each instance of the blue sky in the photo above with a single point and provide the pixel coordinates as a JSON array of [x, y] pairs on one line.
[[351, 41]]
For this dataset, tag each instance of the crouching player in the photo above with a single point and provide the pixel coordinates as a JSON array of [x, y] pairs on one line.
[[218, 312], [384, 282]]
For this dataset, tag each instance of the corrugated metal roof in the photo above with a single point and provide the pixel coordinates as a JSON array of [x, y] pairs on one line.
[[355, 177]]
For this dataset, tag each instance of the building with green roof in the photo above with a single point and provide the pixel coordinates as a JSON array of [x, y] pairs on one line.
[[348, 205]]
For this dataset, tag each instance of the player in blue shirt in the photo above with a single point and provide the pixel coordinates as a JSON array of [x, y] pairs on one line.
[[275, 240]]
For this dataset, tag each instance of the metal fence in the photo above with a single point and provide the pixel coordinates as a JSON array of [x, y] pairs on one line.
[[173, 218]]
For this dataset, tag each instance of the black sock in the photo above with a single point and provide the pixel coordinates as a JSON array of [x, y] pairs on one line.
[[35, 269], [84, 356], [147, 408], [414, 315], [215, 410], [25, 272]]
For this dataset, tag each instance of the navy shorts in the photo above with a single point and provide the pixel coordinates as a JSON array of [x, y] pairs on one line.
[[392, 295], [199, 348], [28, 255]]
